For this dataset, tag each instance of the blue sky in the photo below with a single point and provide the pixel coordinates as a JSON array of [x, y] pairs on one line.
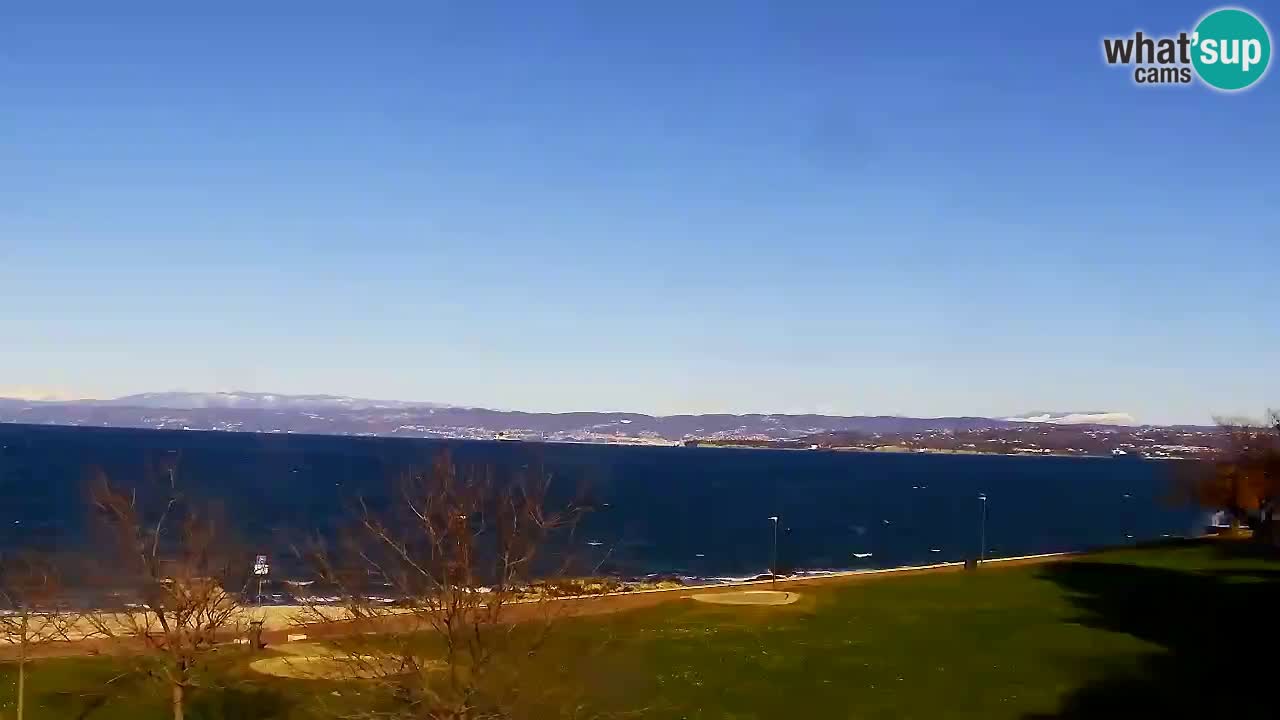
[[853, 208]]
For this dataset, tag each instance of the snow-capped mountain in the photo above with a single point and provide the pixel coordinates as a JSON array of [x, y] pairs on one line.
[[1088, 417], [256, 401]]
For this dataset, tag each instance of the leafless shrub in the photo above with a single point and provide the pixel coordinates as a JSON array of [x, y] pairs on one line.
[[173, 589], [438, 599], [33, 611]]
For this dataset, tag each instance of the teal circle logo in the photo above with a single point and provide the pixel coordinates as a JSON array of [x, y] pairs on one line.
[[1230, 49]]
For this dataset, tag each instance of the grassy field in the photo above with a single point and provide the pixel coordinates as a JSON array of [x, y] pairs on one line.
[[1147, 633]]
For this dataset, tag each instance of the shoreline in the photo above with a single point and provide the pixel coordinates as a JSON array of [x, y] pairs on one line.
[[567, 607], [281, 626], [621, 442], [911, 451]]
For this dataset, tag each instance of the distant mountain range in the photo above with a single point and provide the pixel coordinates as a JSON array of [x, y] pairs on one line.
[[331, 414], [246, 400]]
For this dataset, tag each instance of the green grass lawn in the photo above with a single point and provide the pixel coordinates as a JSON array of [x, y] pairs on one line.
[[1145, 633]]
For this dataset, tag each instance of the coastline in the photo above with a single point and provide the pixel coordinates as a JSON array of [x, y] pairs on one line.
[[281, 622], [620, 441], [898, 450], [588, 605]]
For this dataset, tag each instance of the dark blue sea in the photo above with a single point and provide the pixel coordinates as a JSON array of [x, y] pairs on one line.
[[698, 512]]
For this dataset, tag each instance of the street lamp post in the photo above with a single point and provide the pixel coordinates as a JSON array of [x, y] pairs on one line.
[[773, 560], [982, 549], [260, 570]]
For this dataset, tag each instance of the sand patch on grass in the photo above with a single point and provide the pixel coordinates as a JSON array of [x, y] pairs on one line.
[[749, 597], [305, 661]]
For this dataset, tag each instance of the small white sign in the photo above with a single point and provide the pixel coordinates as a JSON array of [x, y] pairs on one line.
[[260, 566]]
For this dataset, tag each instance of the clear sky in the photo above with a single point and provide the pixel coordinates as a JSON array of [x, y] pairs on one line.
[[923, 208]]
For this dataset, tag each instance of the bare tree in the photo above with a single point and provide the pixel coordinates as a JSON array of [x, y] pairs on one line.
[[172, 563], [33, 610], [452, 577]]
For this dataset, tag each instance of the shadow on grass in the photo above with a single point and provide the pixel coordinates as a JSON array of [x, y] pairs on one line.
[[1246, 550], [145, 698], [238, 703], [82, 705], [1213, 628]]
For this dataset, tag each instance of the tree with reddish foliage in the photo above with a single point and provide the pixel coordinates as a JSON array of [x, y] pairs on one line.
[[1244, 479]]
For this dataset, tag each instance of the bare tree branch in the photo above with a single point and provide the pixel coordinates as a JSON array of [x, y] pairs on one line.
[[33, 610], [452, 580], [172, 563]]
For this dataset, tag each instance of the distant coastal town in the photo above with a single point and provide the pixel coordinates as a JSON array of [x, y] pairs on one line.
[[1153, 443]]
